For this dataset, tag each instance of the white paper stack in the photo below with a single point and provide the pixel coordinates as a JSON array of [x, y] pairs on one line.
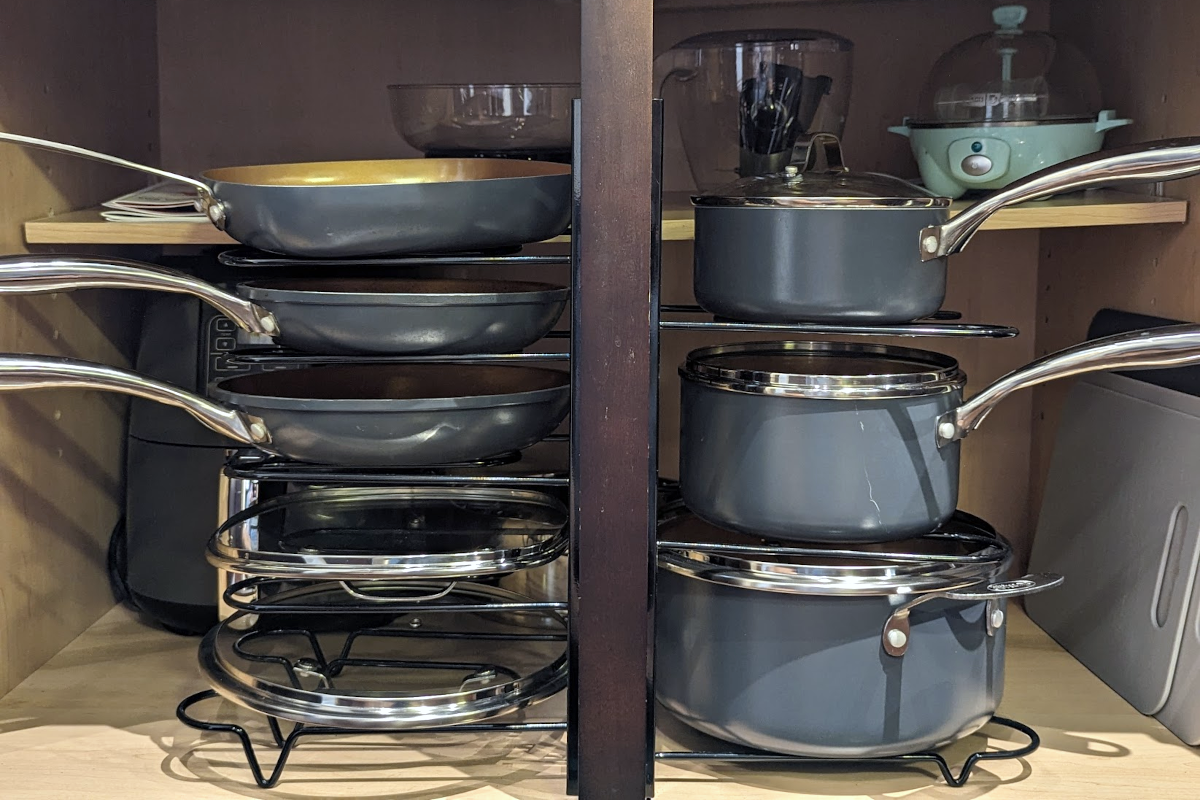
[[167, 201]]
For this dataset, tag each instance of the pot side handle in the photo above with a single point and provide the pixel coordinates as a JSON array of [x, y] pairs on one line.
[[897, 631], [1171, 346], [213, 208], [1150, 162], [18, 372], [52, 273]]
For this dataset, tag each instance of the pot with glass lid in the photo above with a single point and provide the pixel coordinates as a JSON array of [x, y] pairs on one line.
[[1003, 105], [830, 653], [819, 242], [839, 442]]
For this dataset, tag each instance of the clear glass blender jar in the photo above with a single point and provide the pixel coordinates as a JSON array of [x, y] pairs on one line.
[[745, 100]]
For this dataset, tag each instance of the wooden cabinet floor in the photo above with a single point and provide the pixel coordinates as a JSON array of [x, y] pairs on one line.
[[98, 722]]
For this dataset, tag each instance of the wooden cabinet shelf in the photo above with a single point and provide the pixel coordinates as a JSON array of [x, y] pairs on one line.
[[1100, 207], [98, 721]]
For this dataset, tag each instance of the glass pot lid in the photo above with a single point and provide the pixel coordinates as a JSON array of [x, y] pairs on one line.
[[1010, 75], [425, 667], [405, 532], [825, 370], [822, 180], [963, 551]]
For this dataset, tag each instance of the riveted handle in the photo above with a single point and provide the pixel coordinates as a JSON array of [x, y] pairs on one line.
[[213, 208], [40, 274], [1018, 587], [20, 372], [897, 631], [1150, 162]]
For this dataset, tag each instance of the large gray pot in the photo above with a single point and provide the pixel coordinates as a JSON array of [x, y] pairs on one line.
[[825, 441], [814, 656], [824, 244]]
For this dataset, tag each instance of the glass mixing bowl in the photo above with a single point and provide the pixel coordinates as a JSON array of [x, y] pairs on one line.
[[523, 120]]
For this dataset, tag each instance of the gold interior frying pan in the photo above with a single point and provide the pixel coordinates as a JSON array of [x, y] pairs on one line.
[[342, 209]]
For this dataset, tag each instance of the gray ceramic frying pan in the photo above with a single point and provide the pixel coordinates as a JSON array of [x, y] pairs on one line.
[[341, 209], [393, 316], [352, 415]]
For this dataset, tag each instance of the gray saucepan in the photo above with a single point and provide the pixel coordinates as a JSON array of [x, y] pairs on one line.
[[833, 654], [351, 415], [829, 245], [828, 441], [395, 316], [342, 209]]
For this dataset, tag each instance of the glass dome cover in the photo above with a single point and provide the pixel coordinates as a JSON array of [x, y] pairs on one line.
[[1010, 76]]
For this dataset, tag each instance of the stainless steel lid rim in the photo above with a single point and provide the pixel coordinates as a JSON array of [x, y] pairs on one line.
[[934, 374], [848, 203], [466, 565], [822, 574], [373, 710], [543, 540]]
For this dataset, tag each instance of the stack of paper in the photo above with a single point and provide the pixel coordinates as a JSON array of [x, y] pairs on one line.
[[167, 201]]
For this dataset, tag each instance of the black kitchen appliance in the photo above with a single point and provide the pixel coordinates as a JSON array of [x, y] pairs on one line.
[[173, 463]]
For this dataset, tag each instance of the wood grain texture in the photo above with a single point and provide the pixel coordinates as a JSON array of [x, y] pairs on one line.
[[61, 476], [993, 281], [1152, 270], [614, 391], [62, 736]]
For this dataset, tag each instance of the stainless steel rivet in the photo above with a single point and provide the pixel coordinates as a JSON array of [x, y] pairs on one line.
[[930, 244], [897, 638], [415, 622], [997, 619]]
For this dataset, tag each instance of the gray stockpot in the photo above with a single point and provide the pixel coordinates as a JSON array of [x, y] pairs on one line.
[[390, 316], [833, 654], [388, 415], [830, 245], [828, 441], [342, 209]]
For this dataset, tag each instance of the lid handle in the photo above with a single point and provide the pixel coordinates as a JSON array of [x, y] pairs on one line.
[[824, 154]]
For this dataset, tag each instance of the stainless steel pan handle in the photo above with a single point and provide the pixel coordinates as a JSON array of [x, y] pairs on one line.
[[1172, 346], [40, 274], [213, 208], [1165, 160], [897, 632], [19, 372]]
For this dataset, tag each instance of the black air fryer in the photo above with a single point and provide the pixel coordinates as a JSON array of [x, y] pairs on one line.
[[173, 463]]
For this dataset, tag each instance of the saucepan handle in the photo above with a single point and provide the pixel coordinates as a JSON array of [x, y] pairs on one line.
[[1149, 162], [896, 631], [213, 207], [19, 372], [1019, 587], [40, 274], [1171, 346]]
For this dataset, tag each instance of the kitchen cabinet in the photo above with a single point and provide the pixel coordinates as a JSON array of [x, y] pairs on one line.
[[193, 85]]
